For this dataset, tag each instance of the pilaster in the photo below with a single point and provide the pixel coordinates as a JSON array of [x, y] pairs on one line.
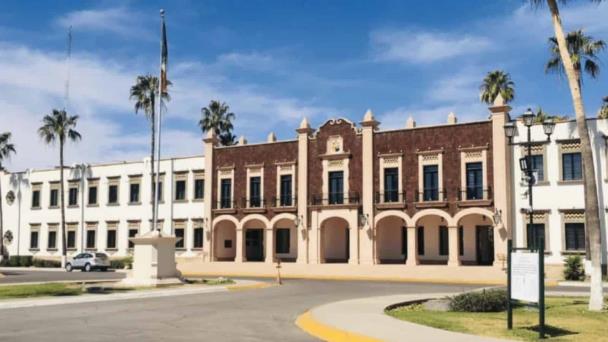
[[412, 252], [367, 240], [304, 240], [210, 142], [453, 259]]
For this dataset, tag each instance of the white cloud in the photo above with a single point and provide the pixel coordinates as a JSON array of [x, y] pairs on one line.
[[433, 114], [255, 60], [117, 20], [420, 47]]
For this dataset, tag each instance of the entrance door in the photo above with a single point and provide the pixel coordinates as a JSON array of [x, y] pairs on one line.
[[254, 245], [485, 245]]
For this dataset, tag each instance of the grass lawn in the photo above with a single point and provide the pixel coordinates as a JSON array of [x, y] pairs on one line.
[[566, 319], [39, 290]]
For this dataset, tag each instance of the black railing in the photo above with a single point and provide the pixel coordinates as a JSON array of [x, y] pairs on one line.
[[284, 201], [225, 203], [431, 195], [335, 198], [474, 193], [390, 197], [253, 202]]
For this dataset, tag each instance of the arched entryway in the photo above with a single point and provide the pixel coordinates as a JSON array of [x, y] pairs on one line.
[[285, 237], [224, 241], [254, 240], [391, 240], [475, 237], [432, 236], [335, 240]]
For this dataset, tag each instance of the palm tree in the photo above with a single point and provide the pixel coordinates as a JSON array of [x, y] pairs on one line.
[[218, 118], [583, 50], [59, 126], [592, 216], [603, 113], [497, 82], [144, 93], [6, 148], [542, 116]]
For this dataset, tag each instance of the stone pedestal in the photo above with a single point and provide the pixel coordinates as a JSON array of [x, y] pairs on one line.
[[153, 260]]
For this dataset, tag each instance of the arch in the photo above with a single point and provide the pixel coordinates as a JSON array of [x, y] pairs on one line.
[[408, 220], [391, 239], [471, 211], [335, 240], [225, 238], [250, 217], [430, 212], [280, 217], [225, 218]]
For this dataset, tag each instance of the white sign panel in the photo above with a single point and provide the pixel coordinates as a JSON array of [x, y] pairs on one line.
[[524, 276]]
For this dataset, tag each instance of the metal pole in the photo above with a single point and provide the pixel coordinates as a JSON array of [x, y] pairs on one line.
[[509, 306], [529, 174], [541, 288], [160, 108]]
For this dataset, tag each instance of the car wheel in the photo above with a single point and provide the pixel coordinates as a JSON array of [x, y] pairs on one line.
[[87, 268], [68, 267]]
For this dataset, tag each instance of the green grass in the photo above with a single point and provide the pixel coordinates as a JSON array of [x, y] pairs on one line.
[[566, 319], [38, 290], [213, 281]]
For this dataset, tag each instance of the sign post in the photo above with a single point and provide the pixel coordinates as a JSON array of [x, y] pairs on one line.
[[526, 281]]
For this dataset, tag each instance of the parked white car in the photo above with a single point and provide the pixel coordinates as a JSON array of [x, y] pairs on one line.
[[88, 261]]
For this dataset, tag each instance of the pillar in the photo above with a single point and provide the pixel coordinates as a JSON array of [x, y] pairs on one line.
[[369, 124], [412, 250], [239, 245], [269, 245], [304, 240], [453, 259], [210, 142]]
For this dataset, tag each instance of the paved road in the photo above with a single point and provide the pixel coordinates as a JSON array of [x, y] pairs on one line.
[[251, 315], [19, 276]]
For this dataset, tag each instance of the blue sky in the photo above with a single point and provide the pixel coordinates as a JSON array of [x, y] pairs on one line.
[[273, 62]]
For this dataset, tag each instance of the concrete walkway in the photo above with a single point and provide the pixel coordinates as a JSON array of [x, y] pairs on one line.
[[364, 320]]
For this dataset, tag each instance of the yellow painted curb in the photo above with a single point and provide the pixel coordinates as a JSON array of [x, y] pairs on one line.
[[249, 287], [327, 333]]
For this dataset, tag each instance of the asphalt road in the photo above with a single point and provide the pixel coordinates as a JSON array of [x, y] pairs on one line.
[[19, 276], [250, 315]]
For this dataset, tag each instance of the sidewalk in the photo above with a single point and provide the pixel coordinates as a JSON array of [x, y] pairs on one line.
[[584, 284], [364, 320], [48, 269]]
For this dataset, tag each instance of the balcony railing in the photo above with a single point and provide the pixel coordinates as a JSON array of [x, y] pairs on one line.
[[335, 198], [388, 197], [431, 195], [284, 201], [225, 203], [253, 202], [475, 193]]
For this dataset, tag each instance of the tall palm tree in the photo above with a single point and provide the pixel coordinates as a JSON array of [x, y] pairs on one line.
[[59, 126], [145, 92], [218, 118], [603, 113], [583, 50], [497, 82], [6, 149], [592, 216]]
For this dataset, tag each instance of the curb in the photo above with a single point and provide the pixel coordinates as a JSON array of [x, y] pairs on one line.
[[325, 332], [85, 281]]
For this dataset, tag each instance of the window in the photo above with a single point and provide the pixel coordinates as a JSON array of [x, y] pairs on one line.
[[93, 195], [283, 239], [537, 164], [474, 181], [226, 193], [461, 240], [54, 200], [420, 238], [36, 199], [198, 238], [336, 187], [111, 239], [255, 197], [91, 235], [180, 190], [179, 234], [52, 242], [571, 166], [534, 232], [73, 197], [431, 183], [132, 233], [134, 193], [391, 184], [71, 239], [286, 195], [443, 240], [113, 194], [34, 239], [227, 243], [159, 194], [575, 236], [199, 189]]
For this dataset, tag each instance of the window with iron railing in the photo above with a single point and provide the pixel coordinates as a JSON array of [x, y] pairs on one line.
[[431, 183], [336, 187], [474, 181], [255, 196], [391, 184], [226, 194], [285, 199]]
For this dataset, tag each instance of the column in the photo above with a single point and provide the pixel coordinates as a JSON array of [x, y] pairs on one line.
[[412, 251], [208, 245], [269, 246], [238, 244], [367, 172], [453, 259], [304, 240], [354, 243]]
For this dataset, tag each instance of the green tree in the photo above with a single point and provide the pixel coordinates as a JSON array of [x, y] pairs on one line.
[[541, 116], [218, 118], [6, 149], [592, 216], [603, 112], [583, 50], [145, 92], [497, 82], [59, 126]]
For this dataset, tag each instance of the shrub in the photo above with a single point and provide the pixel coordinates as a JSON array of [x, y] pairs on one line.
[[494, 300], [122, 263], [17, 261], [573, 268], [46, 263]]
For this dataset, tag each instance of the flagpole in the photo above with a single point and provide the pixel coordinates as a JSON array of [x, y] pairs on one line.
[[160, 108]]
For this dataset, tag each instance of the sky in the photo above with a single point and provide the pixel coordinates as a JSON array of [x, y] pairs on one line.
[[273, 62]]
